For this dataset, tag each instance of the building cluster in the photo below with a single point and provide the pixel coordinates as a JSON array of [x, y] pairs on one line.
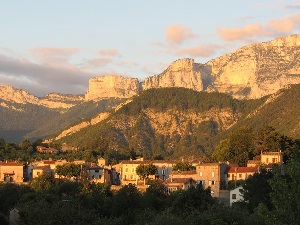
[[216, 176], [19, 173]]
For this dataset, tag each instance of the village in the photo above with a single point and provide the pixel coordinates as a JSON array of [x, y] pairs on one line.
[[223, 179]]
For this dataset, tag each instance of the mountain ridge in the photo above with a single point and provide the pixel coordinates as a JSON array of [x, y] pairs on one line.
[[250, 72]]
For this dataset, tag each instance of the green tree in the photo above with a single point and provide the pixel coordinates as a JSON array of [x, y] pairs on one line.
[[257, 189], [183, 166], [238, 148], [268, 139], [126, 202], [193, 199], [154, 197], [145, 170], [68, 170], [285, 194], [43, 182]]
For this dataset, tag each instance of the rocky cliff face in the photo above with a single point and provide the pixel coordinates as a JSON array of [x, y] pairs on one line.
[[9, 93], [53, 100], [250, 72], [259, 69], [111, 87], [181, 73]]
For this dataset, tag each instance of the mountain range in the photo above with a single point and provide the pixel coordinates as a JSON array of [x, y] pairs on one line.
[[255, 77]]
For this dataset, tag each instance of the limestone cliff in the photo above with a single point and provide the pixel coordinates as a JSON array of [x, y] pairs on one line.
[[9, 93], [55, 100], [181, 73], [111, 87], [250, 72], [259, 69]]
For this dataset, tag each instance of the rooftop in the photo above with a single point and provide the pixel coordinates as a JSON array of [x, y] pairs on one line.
[[10, 164], [243, 169], [177, 180]]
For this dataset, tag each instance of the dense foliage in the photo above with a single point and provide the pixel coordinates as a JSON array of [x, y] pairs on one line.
[[99, 205], [21, 121], [145, 170], [197, 139], [244, 144]]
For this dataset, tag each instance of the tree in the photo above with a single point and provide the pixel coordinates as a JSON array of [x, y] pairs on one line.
[[43, 182], [195, 198], [268, 139], [237, 148], [183, 166], [154, 197], [285, 195], [68, 170], [126, 202], [257, 189], [144, 170]]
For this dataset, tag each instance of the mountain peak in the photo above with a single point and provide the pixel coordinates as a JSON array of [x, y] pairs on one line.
[[112, 86], [9, 93]]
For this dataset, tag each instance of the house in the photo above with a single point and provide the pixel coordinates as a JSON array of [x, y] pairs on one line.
[[42, 149], [271, 158], [241, 173], [213, 175], [253, 163], [95, 173], [11, 172], [236, 195], [37, 171], [175, 184], [128, 170]]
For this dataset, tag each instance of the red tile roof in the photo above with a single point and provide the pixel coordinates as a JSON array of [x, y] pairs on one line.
[[49, 162], [10, 164], [243, 170]]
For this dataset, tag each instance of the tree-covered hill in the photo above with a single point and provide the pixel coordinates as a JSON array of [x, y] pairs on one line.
[[167, 122], [20, 121]]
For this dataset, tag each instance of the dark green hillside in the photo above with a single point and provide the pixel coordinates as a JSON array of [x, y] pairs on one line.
[[119, 133], [20, 121], [76, 114], [282, 113]]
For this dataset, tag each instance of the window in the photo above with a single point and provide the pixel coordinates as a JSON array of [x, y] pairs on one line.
[[131, 177], [274, 160], [200, 174], [233, 196], [126, 170], [240, 175], [132, 170], [212, 182], [38, 173], [267, 160], [163, 171], [125, 177], [209, 182], [213, 174]]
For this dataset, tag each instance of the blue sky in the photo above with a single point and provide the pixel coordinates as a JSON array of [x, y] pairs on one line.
[[57, 46]]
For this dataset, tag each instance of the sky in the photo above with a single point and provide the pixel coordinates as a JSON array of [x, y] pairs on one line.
[[51, 46]]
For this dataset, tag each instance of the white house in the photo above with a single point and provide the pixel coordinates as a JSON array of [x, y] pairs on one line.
[[236, 195]]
